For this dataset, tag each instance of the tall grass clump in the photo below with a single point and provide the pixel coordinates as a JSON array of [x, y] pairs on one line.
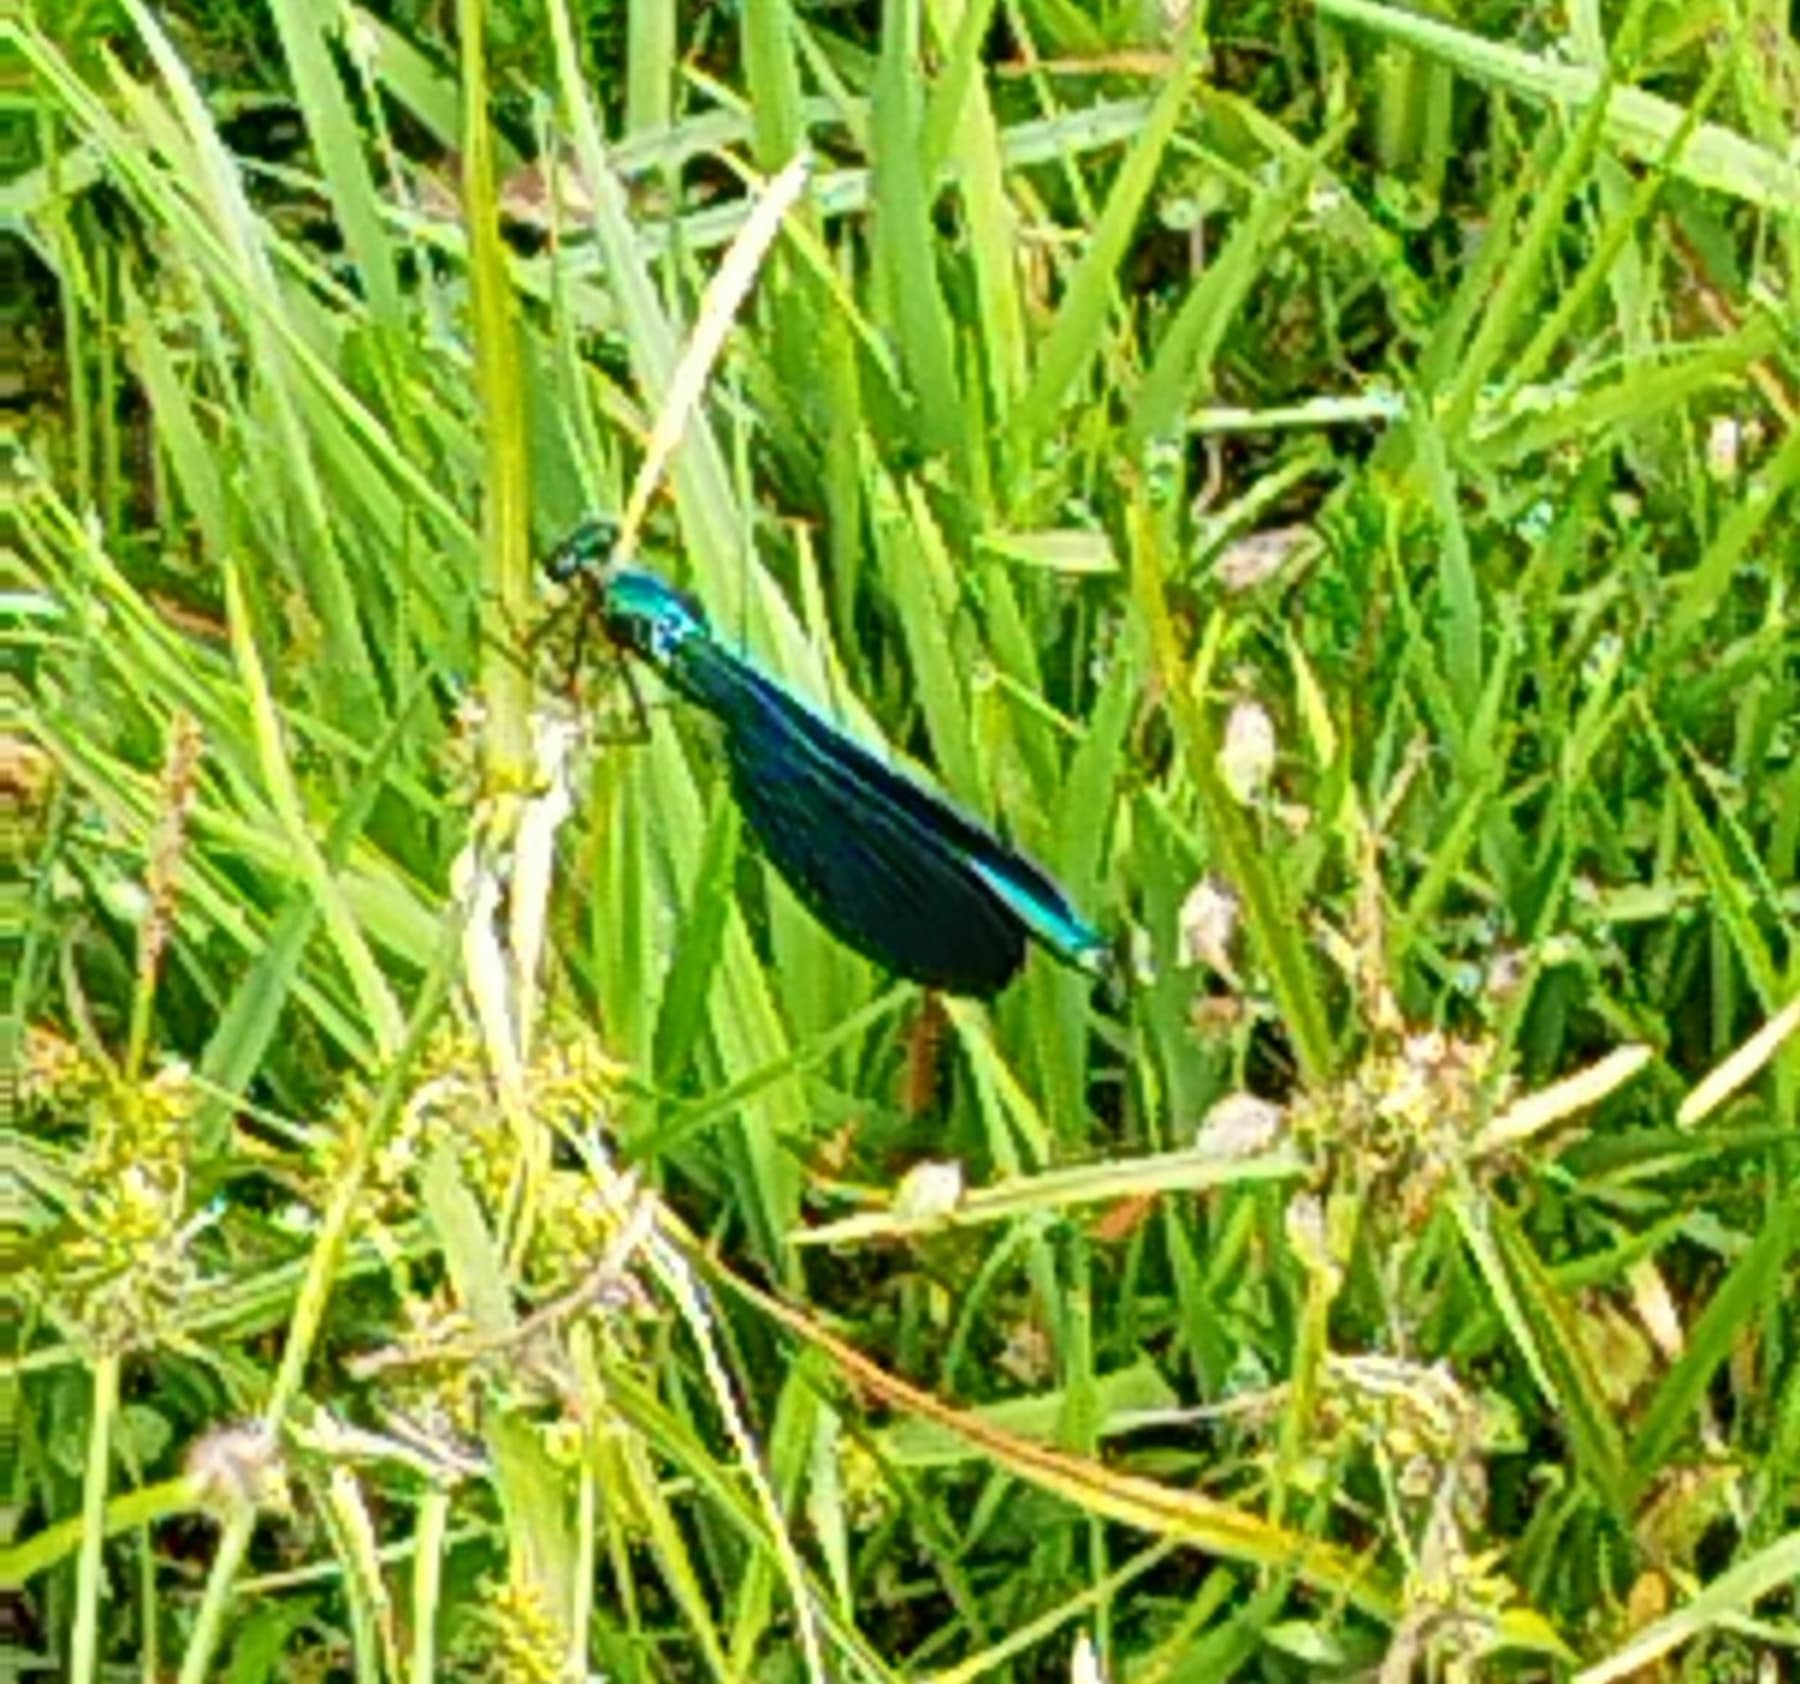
[[1320, 475]]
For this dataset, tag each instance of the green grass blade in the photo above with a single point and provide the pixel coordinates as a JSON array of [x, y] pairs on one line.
[[1568, 1369], [507, 584], [1182, 373], [1274, 925], [1638, 123], [1754, 1281], [331, 125], [905, 250], [1079, 331]]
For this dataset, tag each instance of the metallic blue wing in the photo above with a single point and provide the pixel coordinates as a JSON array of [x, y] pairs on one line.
[[897, 872]]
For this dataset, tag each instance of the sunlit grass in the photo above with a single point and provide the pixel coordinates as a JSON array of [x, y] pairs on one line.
[[1322, 481]]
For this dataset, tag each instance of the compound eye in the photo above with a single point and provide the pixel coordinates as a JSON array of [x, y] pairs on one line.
[[586, 550]]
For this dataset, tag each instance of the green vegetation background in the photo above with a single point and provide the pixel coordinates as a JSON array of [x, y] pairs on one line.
[[1321, 475]]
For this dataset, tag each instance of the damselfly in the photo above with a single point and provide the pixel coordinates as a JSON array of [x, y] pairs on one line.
[[890, 867]]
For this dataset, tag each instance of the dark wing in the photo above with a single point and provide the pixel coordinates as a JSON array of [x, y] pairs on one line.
[[889, 877], [729, 688]]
